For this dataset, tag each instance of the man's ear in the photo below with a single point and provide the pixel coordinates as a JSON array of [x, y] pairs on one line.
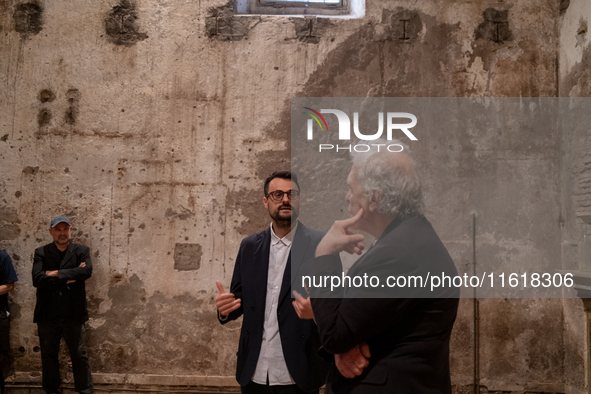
[[265, 202], [374, 201]]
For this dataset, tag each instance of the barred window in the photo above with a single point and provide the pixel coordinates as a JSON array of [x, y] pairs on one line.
[[294, 7]]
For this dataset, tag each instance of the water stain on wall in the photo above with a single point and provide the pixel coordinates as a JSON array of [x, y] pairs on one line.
[[46, 95], [246, 212], [222, 24], [43, 117], [402, 24], [187, 257], [28, 19], [31, 170], [311, 29], [73, 96], [181, 213], [577, 82], [495, 26], [121, 24], [172, 335], [9, 223]]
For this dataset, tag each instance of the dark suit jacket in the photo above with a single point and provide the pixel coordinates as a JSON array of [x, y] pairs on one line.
[[408, 336], [299, 338], [57, 300]]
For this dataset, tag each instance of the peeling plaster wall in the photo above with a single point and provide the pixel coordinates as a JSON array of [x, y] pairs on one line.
[[575, 52], [575, 81], [153, 123]]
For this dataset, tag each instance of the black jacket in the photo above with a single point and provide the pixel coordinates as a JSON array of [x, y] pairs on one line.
[[299, 338], [408, 334], [57, 300]]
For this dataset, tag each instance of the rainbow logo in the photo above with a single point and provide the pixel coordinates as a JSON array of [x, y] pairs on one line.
[[316, 118]]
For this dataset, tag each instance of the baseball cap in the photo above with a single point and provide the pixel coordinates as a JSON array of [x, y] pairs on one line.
[[59, 219]]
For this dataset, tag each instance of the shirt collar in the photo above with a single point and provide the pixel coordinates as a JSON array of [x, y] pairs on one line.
[[287, 239]]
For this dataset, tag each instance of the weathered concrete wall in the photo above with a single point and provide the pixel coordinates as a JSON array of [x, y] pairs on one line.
[[575, 81], [152, 124]]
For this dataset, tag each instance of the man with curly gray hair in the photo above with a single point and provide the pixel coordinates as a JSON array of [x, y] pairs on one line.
[[392, 339], [393, 177]]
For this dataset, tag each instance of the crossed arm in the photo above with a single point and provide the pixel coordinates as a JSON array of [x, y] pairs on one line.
[[53, 279], [55, 274]]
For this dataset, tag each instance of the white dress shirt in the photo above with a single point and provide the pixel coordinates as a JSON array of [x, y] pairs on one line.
[[271, 362]]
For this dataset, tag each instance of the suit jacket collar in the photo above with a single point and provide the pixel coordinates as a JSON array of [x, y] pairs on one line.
[[261, 266], [55, 255], [69, 255], [301, 242], [393, 224]]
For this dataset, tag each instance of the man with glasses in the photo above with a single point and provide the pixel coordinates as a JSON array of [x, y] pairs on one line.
[[277, 351]]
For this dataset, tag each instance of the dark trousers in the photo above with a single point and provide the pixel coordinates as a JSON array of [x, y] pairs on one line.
[[255, 388], [4, 346], [50, 335], [5, 362], [2, 383]]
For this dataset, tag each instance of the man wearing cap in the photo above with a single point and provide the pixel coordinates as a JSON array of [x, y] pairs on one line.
[[59, 271]]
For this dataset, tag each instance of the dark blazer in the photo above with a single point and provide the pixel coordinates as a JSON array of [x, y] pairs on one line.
[[299, 338], [408, 335], [55, 298]]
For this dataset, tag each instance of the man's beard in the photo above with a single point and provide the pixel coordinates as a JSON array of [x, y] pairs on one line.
[[62, 240], [285, 218]]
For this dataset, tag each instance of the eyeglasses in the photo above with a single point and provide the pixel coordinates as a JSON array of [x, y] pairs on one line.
[[277, 195]]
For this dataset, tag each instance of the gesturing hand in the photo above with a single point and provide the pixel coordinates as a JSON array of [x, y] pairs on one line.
[[302, 306], [352, 363], [225, 302], [339, 238]]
